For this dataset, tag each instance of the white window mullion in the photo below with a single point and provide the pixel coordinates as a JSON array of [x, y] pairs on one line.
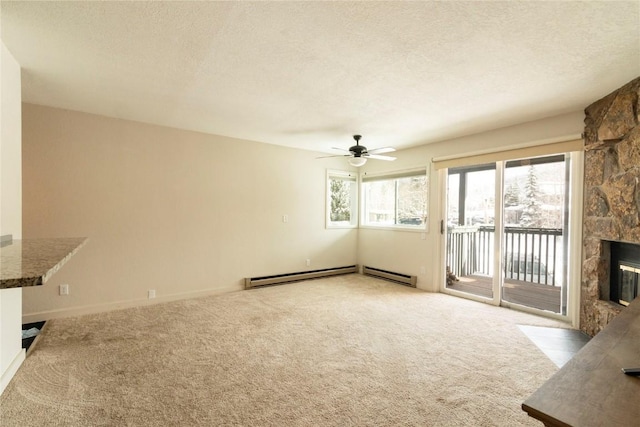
[[395, 198], [498, 235]]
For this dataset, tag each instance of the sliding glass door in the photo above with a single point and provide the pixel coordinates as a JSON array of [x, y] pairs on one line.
[[471, 204], [535, 247], [507, 232]]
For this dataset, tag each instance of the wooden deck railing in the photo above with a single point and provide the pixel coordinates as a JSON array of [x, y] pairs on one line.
[[529, 255]]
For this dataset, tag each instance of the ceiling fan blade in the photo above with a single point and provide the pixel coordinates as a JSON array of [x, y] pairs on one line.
[[382, 150], [335, 155], [341, 149], [379, 157]]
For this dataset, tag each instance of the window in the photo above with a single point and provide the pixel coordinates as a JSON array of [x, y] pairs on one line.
[[342, 199], [396, 200]]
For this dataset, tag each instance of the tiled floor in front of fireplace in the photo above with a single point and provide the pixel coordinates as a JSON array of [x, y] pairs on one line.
[[560, 345]]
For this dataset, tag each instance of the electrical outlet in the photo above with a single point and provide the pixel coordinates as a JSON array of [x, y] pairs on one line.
[[64, 289], [151, 294], [308, 262], [423, 270], [285, 218]]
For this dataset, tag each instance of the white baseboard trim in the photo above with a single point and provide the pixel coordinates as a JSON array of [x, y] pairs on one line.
[[11, 370], [119, 305]]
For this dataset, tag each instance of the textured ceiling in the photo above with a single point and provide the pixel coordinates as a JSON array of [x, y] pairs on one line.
[[310, 74]]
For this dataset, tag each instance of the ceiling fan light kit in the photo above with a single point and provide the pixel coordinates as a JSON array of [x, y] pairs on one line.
[[357, 161]]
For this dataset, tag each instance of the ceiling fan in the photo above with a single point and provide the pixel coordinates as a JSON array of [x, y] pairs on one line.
[[358, 154]]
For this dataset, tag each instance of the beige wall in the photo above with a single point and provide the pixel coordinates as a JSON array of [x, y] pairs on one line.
[[180, 212], [409, 252]]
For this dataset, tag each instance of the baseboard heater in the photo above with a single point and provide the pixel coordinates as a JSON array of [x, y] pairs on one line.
[[403, 279], [252, 282]]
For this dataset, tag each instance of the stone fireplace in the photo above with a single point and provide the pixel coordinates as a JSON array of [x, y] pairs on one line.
[[611, 197]]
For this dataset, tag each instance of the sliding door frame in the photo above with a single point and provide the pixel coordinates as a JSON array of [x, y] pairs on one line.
[[573, 224]]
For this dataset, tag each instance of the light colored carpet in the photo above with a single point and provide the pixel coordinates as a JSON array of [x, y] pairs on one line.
[[342, 351]]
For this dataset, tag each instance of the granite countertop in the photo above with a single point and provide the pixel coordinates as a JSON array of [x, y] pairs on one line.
[[31, 262]]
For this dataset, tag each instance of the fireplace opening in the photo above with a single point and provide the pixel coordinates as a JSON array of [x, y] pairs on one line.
[[625, 272]]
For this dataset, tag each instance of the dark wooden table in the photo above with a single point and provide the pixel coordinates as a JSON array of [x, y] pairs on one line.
[[591, 390]]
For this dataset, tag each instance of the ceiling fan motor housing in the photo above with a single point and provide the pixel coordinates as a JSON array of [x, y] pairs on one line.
[[358, 150]]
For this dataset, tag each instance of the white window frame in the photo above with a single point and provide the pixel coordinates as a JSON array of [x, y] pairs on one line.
[[367, 177], [347, 176]]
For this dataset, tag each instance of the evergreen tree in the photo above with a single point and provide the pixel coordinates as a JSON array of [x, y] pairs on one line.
[[512, 195], [532, 212], [340, 200]]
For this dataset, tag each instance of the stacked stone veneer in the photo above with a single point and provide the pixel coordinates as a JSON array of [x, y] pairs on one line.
[[612, 196]]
